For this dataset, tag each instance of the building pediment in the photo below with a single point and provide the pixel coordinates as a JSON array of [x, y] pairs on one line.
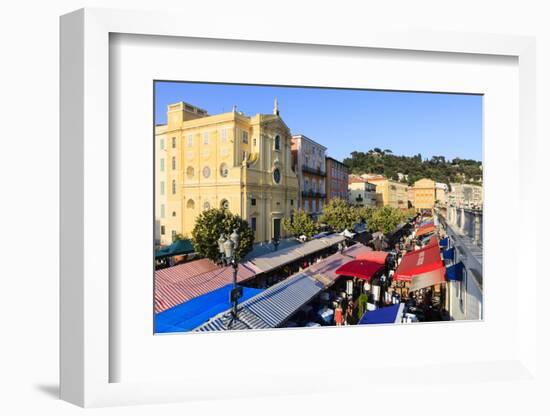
[[273, 121]]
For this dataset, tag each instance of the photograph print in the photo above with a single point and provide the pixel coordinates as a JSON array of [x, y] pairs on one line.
[[306, 207]]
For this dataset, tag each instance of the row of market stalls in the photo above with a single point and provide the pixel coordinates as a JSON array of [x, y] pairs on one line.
[[422, 272], [406, 283], [199, 286], [276, 305], [308, 284]]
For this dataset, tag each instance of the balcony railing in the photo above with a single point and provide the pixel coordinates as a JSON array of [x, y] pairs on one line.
[[314, 171], [313, 194]]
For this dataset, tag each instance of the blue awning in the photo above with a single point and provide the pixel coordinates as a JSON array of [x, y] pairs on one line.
[[444, 242], [195, 312], [272, 307], [455, 271], [449, 254], [386, 315]]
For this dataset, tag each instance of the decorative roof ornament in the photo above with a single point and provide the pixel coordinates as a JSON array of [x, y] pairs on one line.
[[234, 108], [276, 107]]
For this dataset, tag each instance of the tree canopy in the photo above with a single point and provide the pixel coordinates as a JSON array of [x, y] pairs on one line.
[[339, 215], [438, 168], [301, 224], [385, 219], [211, 224]]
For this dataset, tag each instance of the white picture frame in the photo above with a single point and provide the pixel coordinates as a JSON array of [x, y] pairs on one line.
[[86, 333]]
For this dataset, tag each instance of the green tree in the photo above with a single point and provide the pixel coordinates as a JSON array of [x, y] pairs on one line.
[[301, 224], [437, 168], [361, 307], [365, 213], [180, 236], [211, 224], [339, 215], [385, 219]]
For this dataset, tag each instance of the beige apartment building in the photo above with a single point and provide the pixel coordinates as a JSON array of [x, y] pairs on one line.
[[229, 160], [390, 193], [466, 196], [361, 192], [424, 194]]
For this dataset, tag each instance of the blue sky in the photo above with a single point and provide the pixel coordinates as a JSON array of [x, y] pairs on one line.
[[347, 120]]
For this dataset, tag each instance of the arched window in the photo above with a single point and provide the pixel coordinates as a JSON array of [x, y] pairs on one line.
[[190, 204], [173, 162], [277, 142], [174, 186], [206, 205], [190, 172]]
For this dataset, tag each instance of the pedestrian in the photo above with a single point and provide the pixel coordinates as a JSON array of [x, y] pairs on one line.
[[338, 315], [366, 287], [349, 313], [411, 301]]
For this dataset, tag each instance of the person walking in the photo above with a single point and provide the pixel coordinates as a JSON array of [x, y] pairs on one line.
[[338, 315]]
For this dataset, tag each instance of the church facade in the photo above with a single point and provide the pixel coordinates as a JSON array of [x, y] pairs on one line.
[[228, 160]]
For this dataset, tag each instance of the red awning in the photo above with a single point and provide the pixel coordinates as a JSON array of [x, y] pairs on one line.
[[324, 271], [434, 241], [416, 263], [428, 279], [426, 229], [378, 257], [361, 269]]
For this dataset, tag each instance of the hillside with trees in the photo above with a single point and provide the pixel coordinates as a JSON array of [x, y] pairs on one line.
[[437, 168]]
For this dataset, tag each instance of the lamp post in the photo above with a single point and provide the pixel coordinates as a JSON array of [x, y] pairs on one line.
[[228, 250]]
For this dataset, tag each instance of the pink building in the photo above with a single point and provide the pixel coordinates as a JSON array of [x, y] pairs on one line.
[[337, 179]]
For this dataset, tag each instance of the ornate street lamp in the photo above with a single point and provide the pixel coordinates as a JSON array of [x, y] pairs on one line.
[[221, 240], [228, 250]]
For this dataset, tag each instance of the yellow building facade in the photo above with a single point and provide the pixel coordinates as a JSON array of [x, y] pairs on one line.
[[424, 194], [226, 160], [389, 193]]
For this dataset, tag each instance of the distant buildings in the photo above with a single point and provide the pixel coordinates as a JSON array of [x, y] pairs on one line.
[[424, 194], [441, 193], [466, 196], [226, 160], [337, 179], [410, 196], [308, 160], [390, 193], [254, 167], [361, 192]]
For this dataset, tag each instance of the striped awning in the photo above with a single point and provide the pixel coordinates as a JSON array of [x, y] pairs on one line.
[[374, 256], [275, 259], [181, 283], [418, 262], [428, 279], [362, 269], [325, 270], [271, 308]]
